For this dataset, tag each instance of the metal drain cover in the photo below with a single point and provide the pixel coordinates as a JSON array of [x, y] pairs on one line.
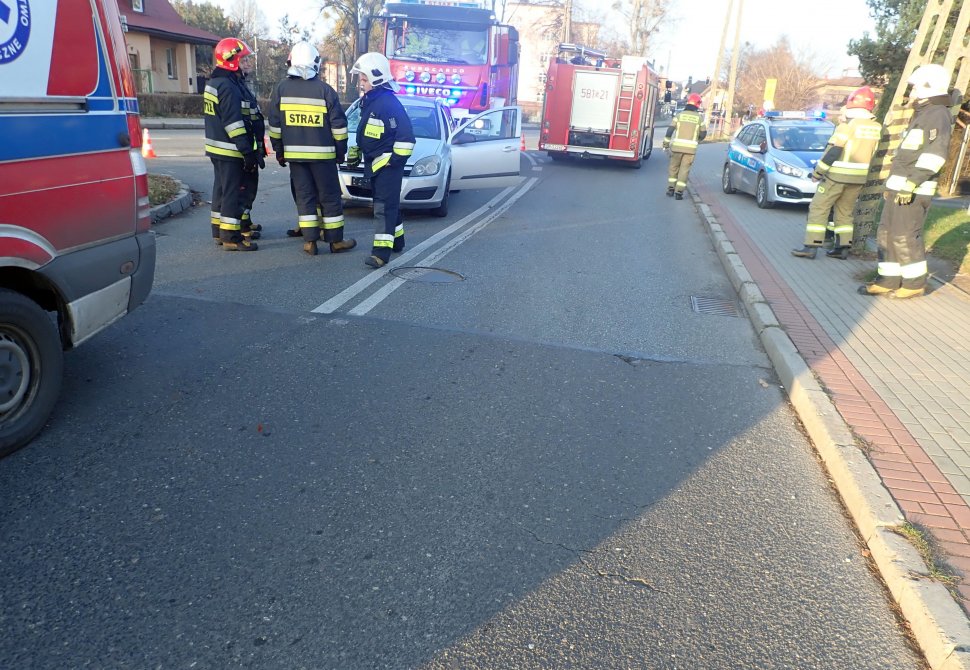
[[715, 306], [428, 275]]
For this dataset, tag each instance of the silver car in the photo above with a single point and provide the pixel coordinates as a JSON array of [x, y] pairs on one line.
[[772, 158], [481, 152]]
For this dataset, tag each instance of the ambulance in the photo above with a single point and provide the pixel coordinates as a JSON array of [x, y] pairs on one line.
[[76, 249]]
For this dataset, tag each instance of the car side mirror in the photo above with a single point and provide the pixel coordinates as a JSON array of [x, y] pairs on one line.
[[461, 137], [758, 148]]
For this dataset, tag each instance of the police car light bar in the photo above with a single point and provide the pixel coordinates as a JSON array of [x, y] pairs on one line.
[[794, 115], [471, 4]]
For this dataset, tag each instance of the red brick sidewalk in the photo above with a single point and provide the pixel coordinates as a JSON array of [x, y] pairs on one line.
[[917, 485]]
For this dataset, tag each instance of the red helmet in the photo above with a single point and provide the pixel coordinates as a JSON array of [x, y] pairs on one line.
[[229, 52], [862, 98], [694, 99]]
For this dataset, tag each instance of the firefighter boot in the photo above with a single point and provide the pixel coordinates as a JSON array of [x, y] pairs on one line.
[[239, 242], [294, 232], [805, 252], [670, 191], [841, 253], [679, 195], [310, 247], [252, 231], [874, 289], [343, 245], [903, 293]]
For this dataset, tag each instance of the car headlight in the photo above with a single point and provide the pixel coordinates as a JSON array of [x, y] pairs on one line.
[[789, 170], [426, 167]]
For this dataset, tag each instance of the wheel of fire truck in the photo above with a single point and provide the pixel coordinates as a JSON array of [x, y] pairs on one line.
[[761, 193], [442, 208], [31, 367], [726, 185]]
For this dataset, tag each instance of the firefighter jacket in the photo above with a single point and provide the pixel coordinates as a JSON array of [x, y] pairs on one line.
[[850, 150], [686, 132], [306, 121], [385, 136], [251, 110], [924, 147], [228, 133]]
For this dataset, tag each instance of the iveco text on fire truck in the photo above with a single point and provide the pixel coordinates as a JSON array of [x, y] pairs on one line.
[[599, 106], [455, 50]]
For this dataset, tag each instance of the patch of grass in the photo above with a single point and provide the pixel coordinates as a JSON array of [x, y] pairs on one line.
[[161, 189], [923, 543], [947, 236]]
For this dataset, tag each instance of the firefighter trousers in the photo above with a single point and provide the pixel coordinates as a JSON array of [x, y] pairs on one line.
[[316, 183], [227, 209], [902, 254], [831, 196], [678, 170], [388, 224], [250, 184]]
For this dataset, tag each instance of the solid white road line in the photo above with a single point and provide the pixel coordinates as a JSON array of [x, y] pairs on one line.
[[348, 293], [389, 288]]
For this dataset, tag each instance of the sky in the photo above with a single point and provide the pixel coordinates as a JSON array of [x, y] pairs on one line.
[[687, 46]]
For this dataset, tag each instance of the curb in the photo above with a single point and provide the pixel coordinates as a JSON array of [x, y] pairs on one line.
[[181, 203], [936, 620], [156, 123]]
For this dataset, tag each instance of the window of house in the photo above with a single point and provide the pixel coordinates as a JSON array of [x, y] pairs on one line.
[[138, 6], [170, 63]]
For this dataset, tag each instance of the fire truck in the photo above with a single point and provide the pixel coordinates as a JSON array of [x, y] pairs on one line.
[[599, 106], [455, 50]]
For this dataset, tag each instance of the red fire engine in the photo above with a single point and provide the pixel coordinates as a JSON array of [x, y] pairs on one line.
[[599, 106], [451, 49]]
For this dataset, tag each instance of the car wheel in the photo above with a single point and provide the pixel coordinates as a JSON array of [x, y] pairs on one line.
[[636, 164], [442, 209], [31, 367], [726, 180], [761, 193]]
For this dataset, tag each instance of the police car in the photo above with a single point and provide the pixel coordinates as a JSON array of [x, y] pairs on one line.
[[772, 157]]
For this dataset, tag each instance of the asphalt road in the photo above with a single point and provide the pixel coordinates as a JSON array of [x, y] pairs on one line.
[[547, 461]]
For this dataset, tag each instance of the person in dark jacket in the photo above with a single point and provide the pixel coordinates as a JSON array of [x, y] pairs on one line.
[[251, 110], [308, 129], [385, 140], [230, 144]]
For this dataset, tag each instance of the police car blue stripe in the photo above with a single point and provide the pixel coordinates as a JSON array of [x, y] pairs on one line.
[[63, 134]]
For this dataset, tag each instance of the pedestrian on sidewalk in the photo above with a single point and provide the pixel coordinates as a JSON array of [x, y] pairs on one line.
[[229, 143], [385, 139], [684, 134], [308, 129], [911, 186], [842, 171]]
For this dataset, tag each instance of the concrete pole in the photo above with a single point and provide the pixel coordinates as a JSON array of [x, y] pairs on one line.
[[567, 22], [733, 76], [716, 79]]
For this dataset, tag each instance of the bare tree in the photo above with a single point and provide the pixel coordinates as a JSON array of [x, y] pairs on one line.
[[250, 18], [798, 83], [341, 45], [645, 18]]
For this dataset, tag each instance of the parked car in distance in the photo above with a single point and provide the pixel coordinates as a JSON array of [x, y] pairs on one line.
[[772, 157], [480, 152]]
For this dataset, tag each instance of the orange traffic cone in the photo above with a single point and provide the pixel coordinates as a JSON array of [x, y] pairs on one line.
[[267, 145], [147, 151], [522, 144]]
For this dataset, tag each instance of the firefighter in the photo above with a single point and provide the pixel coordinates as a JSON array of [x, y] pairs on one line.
[[308, 129], [230, 144], [683, 136], [911, 186], [841, 172], [385, 140], [250, 106]]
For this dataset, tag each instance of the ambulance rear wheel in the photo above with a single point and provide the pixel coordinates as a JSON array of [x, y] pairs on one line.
[[31, 367]]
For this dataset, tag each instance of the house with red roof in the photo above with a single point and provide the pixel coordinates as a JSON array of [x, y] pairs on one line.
[[161, 46]]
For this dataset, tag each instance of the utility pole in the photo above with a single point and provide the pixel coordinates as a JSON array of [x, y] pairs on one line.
[[567, 22], [726, 116], [716, 79]]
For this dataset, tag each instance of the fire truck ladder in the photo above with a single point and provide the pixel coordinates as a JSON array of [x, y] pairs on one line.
[[624, 104]]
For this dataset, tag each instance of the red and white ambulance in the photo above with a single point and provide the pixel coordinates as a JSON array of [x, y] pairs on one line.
[[76, 249]]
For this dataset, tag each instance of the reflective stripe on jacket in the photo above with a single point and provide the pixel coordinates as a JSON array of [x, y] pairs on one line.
[[850, 150], [385, 136], [306, 121], [228, 133], [687, 131], [923, 151]]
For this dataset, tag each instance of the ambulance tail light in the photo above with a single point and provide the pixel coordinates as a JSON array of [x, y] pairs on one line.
[[139, 168]]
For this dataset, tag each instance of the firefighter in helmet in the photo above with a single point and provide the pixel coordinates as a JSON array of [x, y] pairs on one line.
[[308, 129], [684, 134], [385, 140], [841, 172], [230, 144], [911, 185]]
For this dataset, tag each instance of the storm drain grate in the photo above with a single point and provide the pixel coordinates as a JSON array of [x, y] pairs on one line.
[[428, 275], [715, 306]]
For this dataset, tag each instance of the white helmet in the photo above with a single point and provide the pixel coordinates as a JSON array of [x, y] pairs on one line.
[[304, 61], [929, 80], [376, 68]]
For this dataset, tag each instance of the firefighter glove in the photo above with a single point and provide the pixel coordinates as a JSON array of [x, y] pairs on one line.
[[281, 160], [817, 176], [249, 161], [340, 158], [353, 156], [903, 198], [261, 161]]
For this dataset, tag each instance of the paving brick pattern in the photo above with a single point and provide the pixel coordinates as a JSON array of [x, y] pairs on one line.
[[897, 371]]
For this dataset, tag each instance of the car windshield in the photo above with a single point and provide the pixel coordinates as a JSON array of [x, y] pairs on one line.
[[437, 41], [424, 120], [801, 139]]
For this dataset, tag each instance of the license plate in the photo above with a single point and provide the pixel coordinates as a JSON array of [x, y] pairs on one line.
[[361, 182]]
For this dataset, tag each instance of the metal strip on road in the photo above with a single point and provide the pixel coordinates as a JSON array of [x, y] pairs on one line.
[[389, 288], [348, 293]]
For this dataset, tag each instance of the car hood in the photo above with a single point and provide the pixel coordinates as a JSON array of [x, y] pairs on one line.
[[802, 159], [422, 147]]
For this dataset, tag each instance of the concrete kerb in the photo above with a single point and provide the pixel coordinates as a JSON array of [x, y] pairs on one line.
[[181, 203], [936, 620]]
